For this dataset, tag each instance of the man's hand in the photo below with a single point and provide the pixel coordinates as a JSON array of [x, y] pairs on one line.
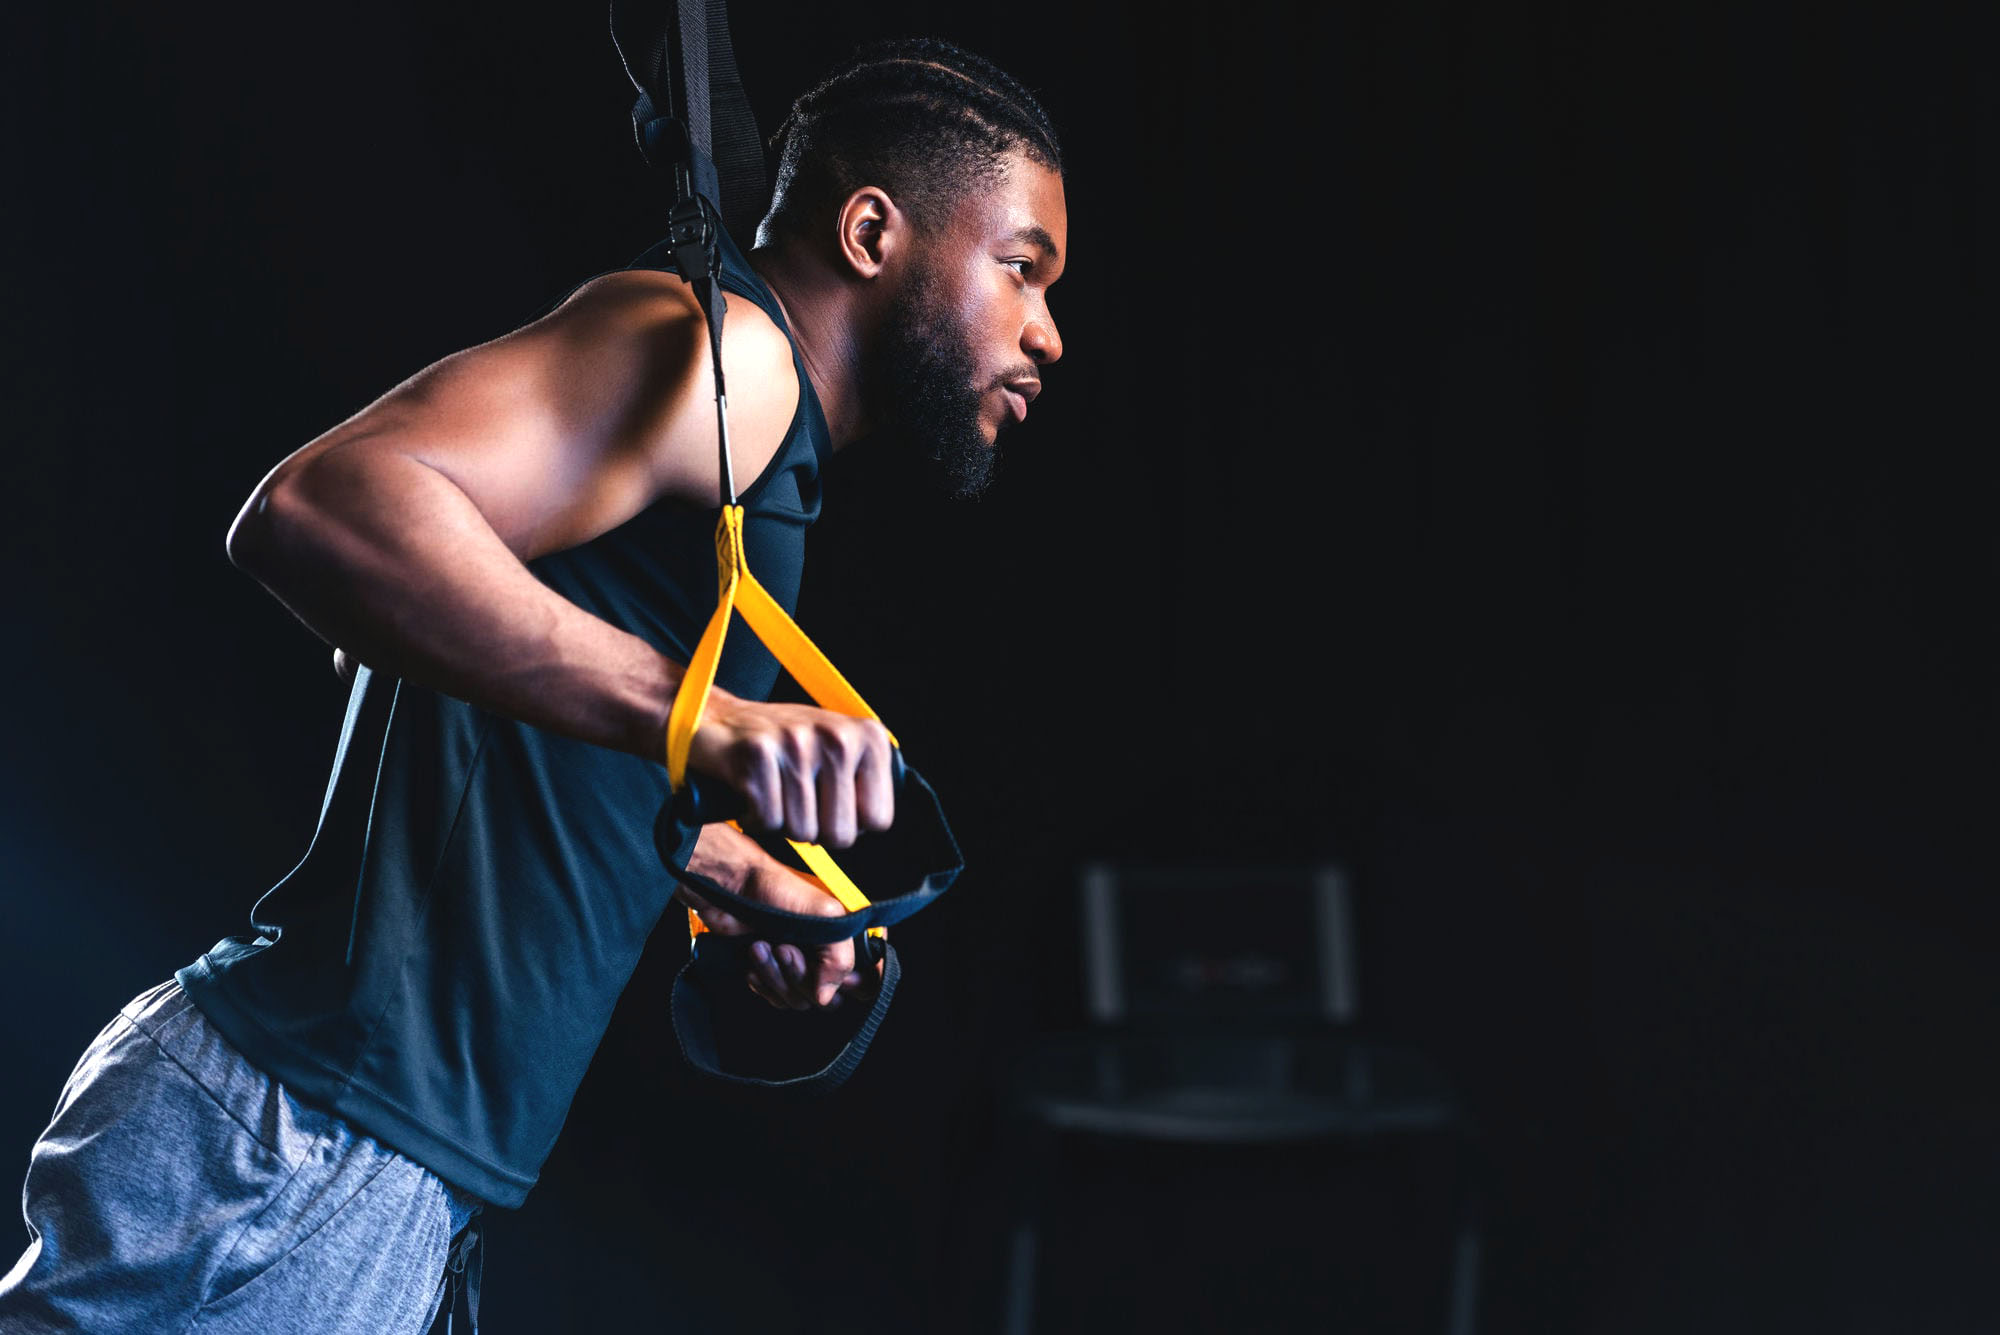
[[790, 977], [815, 776]]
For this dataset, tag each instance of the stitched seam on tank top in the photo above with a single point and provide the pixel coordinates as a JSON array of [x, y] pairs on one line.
[[486, 721], [430, 889], [368, 834]]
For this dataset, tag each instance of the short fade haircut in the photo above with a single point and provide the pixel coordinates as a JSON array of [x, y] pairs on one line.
[[923, 119]]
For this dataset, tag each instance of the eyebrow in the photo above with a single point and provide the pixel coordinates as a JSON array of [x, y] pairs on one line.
[[1036, 235]]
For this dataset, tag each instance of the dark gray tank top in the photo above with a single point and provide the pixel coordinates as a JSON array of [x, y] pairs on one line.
[[442, 964]]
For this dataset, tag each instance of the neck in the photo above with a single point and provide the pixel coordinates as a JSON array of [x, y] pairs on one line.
[[825, 321]]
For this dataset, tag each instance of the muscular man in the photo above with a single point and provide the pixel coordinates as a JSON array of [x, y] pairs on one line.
[[512, 551]]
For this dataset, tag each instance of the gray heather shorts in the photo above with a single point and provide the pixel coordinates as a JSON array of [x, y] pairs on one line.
[[180, 1189]]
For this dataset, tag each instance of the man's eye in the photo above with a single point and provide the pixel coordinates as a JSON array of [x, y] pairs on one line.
[[1024, 266]]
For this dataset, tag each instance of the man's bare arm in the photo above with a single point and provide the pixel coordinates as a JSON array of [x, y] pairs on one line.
[[401, 536]]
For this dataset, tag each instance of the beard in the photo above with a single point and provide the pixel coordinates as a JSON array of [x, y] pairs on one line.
[[923, 391]]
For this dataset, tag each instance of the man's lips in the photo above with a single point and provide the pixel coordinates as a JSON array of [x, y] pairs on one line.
[[1020, 393]]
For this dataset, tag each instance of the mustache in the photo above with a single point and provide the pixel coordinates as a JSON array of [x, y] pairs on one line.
[[1025, 371]]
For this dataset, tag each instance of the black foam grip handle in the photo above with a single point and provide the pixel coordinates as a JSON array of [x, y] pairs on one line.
[[713, 978], [905, 868], [916, 861]]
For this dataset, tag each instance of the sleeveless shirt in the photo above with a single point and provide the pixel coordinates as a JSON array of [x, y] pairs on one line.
[[442, 964]]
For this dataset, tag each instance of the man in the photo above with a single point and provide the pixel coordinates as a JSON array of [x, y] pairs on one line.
[[512, 551]]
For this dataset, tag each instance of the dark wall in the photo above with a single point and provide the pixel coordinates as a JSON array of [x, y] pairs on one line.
[[1526, 454]]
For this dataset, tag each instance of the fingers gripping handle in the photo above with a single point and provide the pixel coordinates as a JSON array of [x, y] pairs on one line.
[[906, 867], [704, 801]]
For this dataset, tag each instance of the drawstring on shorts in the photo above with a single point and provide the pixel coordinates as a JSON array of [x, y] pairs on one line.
[[463, 1268]]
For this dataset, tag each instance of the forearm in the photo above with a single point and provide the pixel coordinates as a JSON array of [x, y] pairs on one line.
[[387, 558]]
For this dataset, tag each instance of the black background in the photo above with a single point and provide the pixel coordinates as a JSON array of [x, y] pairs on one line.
[[1525, 453]]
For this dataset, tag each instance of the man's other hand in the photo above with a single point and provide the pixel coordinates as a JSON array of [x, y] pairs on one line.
[[787, 976]]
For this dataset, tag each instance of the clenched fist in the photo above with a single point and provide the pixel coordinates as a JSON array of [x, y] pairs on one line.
[[807, 773]]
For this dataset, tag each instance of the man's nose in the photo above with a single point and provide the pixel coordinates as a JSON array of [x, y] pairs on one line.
[[1040, 340]]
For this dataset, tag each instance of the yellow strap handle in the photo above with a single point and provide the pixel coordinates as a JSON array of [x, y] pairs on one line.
[[692, 697], [739, 591]]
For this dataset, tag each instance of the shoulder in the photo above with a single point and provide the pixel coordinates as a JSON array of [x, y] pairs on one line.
[[651, 302], [637, 338]]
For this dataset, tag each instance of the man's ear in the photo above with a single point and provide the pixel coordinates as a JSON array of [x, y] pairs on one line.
[[873, 231]]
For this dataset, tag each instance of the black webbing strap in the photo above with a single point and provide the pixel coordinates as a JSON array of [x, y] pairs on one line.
[[674, 121], [713, 978], [692, 116], [736, 148]]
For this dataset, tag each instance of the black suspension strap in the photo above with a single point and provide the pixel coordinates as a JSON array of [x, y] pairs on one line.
[[674, 126], [692, 117], [692, 120]]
